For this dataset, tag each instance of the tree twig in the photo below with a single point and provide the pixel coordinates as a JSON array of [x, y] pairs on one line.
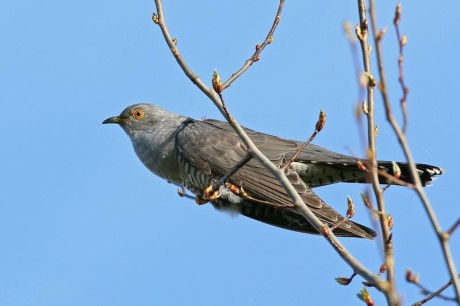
[[362, 33], [437, 293], [256, 56], [401, 43], [276, 172], [442, 237]]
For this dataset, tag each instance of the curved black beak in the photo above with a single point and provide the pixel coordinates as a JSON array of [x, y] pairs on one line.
[[115, 120]]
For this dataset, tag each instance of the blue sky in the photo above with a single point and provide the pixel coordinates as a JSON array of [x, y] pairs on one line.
[[82, 222]]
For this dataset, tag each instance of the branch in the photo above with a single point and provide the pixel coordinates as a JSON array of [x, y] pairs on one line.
[[431, 295], [442, 237], [362, 33], [276, 172], [256, 56], [405, 90]]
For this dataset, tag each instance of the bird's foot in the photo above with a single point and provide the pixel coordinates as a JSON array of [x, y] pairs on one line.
[[209, 195], [199, 200]]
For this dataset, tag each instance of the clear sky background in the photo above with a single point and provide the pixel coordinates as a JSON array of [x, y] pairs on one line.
[[82, 222]]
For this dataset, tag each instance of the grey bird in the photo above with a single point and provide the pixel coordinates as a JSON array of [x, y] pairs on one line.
[[195, 153]]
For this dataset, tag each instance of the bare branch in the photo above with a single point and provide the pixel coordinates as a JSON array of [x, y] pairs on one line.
[[318, 127], [362, 34], [430, 295], [411, 163], [256, 56], [453, 228], [401, 42], [276, 172]]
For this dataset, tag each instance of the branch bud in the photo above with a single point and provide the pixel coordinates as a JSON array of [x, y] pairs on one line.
[[366, 297], [403, 41], [411, 277], [390, 221], [216, 82], [366, 200], [383, 268], [351, 207], [321, 121], [397, 14], [344, 281], [396, 170], [155, 18], [365, 109]]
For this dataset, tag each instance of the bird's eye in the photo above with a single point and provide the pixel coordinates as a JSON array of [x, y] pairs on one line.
[[137, 113]]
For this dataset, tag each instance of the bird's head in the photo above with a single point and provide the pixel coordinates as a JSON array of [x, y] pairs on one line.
[[137, 118]]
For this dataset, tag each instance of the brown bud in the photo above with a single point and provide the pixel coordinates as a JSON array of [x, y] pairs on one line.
[[411, 277], [390, 221], [366, 200], [366, 297], [343, 280], [321, 121], [396, 170], [403, 41], [155, 18], [365, 109], [361, 166], [216, 82], [351, 207], [383, 268], [397, 14]]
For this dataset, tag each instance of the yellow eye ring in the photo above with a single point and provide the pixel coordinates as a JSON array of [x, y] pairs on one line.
[[137, 113]]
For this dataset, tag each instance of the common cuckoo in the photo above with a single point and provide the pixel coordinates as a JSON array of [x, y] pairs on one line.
[[196, 153]]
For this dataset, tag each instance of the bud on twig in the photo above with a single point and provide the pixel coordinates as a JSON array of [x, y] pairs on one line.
[[366, 200], [365, 109], [155, 18], [411, 277], [397, 14], [383, 268], [390, 221], [396, 170], [216, 82], [366, 297], [321, 121], [403, 40], [344, 281], [351, 207], [361, 166]]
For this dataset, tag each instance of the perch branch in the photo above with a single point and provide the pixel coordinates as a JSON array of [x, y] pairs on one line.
[[276, 172]]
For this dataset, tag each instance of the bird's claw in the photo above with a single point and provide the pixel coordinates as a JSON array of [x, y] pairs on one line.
[[200, 201], [209, 195]]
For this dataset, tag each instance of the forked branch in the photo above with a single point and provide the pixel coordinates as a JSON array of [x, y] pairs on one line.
[[276, 172]]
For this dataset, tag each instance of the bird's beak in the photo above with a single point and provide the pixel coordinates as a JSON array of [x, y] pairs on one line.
[[116, 120]]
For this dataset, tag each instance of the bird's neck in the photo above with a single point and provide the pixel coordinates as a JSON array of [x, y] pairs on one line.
[[156, 148]]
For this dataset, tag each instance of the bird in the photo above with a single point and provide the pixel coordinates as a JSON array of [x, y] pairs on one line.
[[195, 154]]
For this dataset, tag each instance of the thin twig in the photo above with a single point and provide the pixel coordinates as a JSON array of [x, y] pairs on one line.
[[256, 56], [437, 293], [277, 173], [401, 43], [418, 187], [453, 228], [243, 161], [362, 33], [318, 127]]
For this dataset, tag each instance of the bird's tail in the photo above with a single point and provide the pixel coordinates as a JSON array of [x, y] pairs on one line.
[[427, 173], [317, 174]]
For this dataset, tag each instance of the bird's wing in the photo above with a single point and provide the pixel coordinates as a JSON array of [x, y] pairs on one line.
[[214, 148]]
